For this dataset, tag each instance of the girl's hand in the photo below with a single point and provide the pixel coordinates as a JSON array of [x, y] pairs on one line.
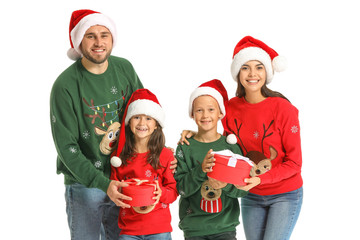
[[184, 135], [208, 162], [216, 184], [157, 193], [251, 182]]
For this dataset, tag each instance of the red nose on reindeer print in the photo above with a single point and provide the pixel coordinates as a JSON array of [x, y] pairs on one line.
[[211, 201]]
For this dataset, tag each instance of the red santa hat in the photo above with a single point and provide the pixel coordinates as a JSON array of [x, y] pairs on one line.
[[213, 88], [142, 101], [80, 22], [249, 49]]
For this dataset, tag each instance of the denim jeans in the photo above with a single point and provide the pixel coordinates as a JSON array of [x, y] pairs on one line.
[[91, 214], [271, 217], [160, 236], [219, 236]]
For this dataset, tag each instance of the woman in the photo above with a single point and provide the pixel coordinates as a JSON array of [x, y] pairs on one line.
[[266, 127]]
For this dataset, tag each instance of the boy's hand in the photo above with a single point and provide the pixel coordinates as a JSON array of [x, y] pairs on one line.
[[173, 163], [208, 162], [216, 184], [157, 193]]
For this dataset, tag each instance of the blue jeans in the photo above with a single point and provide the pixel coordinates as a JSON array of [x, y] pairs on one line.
[[219, 236], [91, 214], [271, 217], [159, 236]]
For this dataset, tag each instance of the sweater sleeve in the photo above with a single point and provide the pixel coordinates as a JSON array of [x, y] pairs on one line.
[[231, 191], [65, 133], [289, 128], [168, 185], [188, 178]]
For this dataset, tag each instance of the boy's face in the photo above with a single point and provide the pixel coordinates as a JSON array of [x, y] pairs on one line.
[[206, 113]]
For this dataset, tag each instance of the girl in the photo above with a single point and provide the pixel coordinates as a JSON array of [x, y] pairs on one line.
[[141, 154], [266, 127]]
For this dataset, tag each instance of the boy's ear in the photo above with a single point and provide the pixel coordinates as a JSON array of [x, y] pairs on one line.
[[221, 116]]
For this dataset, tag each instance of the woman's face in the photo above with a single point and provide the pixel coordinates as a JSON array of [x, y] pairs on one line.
[[252, 76]]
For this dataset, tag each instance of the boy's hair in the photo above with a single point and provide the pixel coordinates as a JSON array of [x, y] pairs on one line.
[[155, 145]]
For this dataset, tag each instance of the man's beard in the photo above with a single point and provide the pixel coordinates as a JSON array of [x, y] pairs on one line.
[[96, 61]]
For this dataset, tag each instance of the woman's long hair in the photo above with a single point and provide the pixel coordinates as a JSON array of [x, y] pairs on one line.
[[156, 144], [265, 91]]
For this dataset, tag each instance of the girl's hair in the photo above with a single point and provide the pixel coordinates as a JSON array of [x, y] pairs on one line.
[[265, 91], [156, 144]]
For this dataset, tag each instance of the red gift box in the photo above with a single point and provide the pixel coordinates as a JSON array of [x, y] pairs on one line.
[[231, 168], [141, 192]]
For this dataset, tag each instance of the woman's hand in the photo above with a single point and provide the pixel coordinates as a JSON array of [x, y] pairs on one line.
[[216, 184], [184, 135], [251, 183], [208, 162]]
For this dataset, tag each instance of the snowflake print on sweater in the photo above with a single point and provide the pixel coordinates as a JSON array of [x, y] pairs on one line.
[[148, 173]]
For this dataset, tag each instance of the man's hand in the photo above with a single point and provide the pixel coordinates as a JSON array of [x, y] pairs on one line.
[[114, 193]]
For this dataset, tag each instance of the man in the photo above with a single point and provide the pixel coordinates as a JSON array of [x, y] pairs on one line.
[[87, 101]]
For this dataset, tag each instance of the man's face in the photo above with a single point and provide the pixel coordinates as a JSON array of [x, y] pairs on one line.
[[97, 44]]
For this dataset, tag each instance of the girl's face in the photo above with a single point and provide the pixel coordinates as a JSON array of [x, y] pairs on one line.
[[142, 126], [252, 76], [206, 113]]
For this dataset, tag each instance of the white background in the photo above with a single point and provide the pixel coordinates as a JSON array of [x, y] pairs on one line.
[[175, 46]]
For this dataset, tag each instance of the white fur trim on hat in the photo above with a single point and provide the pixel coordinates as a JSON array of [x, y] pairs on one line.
[[78, 32], [201, 91], [73, 55], [231, 139], [279, 63], [248, 54], [146, 107], [115, 161]]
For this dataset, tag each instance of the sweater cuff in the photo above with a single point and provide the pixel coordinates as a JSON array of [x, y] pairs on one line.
[[264, 178], [104, 184], [227, 188]]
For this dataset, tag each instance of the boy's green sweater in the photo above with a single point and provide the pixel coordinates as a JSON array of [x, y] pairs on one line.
[[85, 109], [189, 176]]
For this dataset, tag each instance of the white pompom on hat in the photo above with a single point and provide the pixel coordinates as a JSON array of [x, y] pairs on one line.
[[213, 88], [80, 22], [142, 101], [249, 49]]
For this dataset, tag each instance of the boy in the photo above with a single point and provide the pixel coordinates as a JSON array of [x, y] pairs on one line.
[[209, 209]]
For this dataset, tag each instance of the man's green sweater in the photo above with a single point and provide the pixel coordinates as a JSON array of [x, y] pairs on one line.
[[189, 176], [85, 109]]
